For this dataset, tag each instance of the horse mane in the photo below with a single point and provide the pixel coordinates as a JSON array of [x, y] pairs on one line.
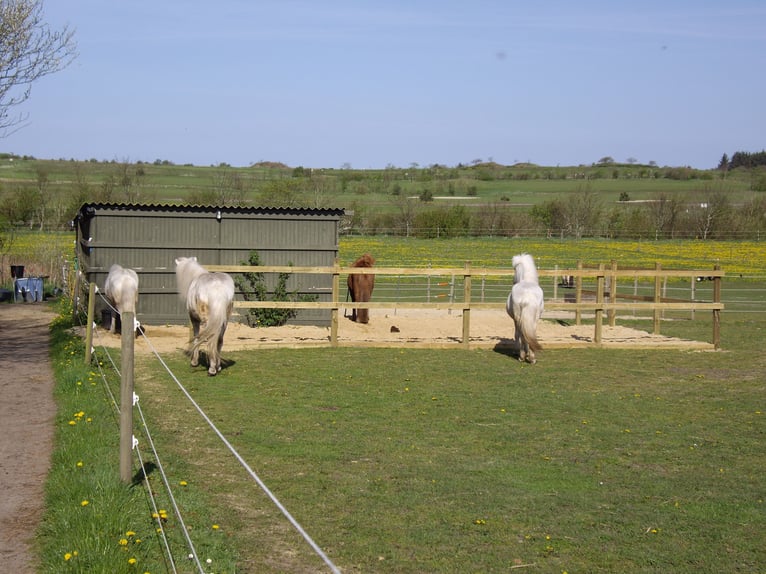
[[187, 270], [365, 260], [524, 264]]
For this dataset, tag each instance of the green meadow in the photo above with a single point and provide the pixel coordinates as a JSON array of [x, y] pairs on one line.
[[411, 460]]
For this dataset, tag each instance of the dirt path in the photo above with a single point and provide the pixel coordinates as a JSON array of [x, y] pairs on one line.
[[27, 412]]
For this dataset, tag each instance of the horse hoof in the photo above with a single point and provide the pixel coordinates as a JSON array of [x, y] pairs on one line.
[[212, 373]]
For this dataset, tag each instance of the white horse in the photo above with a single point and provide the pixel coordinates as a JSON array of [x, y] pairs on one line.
[[525, 306], [121, 292], [209, 300]]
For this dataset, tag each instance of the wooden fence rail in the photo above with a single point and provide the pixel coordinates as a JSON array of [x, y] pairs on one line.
[[604, 299]]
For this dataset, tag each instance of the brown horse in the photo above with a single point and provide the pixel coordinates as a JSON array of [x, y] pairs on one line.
[[360, 288]]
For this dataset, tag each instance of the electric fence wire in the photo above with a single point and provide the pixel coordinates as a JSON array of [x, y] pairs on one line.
[[247, 467], [150, 493], [234, 452], [166, 482]]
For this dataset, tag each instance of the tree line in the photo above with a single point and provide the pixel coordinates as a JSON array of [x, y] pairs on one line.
[[710, 215], [742, 159]]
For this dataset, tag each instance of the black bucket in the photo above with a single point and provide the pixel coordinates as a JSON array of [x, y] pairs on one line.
[[17, 271]]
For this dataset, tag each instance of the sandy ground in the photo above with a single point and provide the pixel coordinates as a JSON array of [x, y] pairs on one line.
[[410, 328], [27, 413]]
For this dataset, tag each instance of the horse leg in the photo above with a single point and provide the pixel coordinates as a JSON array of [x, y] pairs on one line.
[[213, 359], [194, 343], [520, 342]]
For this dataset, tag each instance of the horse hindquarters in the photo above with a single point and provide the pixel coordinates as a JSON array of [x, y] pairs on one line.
[[360, 287]]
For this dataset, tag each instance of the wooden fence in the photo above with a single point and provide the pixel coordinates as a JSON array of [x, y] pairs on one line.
[[603, 299]]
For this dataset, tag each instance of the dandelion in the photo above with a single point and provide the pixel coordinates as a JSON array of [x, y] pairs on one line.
[[84, 503], [67, 556], [130, 534], [183, 483], [79, 464], [215, 527], [123, 542], [72, 423], [131, 561]]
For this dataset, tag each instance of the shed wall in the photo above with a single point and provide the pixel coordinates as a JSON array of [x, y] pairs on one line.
[[149, 239]]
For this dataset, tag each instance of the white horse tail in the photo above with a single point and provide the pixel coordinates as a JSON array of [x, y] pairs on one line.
[[528, 324], [218, 313], [211, 301], [121, 292]]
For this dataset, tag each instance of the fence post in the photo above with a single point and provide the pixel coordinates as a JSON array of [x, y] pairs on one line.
[[578, 294], [599, 318], [612, 314], [717, 312], [89, 324], [467, 305], [428, 287], [657, 295], [335, 300], [127, 340], [694, 293]]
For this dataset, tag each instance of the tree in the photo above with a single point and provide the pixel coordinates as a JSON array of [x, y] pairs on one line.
[[29, 50], [664, 212]]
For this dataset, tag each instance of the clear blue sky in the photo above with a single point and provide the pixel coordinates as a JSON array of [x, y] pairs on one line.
[[397, 82]]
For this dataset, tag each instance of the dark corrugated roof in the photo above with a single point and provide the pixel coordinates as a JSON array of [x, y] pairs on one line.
[[91, 208]]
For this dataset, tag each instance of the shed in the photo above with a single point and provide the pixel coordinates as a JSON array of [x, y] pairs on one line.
[[148, 239]]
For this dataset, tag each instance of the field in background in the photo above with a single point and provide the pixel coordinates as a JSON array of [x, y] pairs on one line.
[[520, 186]]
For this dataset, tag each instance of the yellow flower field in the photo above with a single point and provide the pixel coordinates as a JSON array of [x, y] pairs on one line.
[[736, 258]]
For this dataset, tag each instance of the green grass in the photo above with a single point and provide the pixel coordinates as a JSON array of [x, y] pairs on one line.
[[373, 188], [93, 522], [403, 460], [434, 461]]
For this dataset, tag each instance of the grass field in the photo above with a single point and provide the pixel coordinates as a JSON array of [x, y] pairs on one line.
[[522, 185], [440, 461]]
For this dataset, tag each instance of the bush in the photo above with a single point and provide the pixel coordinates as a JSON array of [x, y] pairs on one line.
[[253, 287]]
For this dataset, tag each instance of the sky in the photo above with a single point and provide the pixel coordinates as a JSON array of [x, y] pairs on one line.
[[371, 84]]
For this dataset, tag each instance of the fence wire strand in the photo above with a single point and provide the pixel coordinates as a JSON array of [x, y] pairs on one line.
[[246, 466], [314, 546]]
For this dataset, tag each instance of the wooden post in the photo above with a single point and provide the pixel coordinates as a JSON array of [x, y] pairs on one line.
[[556, 283], [657, 295], [467, 305], [612, 314], [694, 293], [89, 324], [334, 311], [127, 340], [578, 294], [599, 318], [717, 312]]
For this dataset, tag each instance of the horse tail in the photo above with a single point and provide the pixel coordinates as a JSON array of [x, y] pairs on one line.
[[218, 310], [528, 324]]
